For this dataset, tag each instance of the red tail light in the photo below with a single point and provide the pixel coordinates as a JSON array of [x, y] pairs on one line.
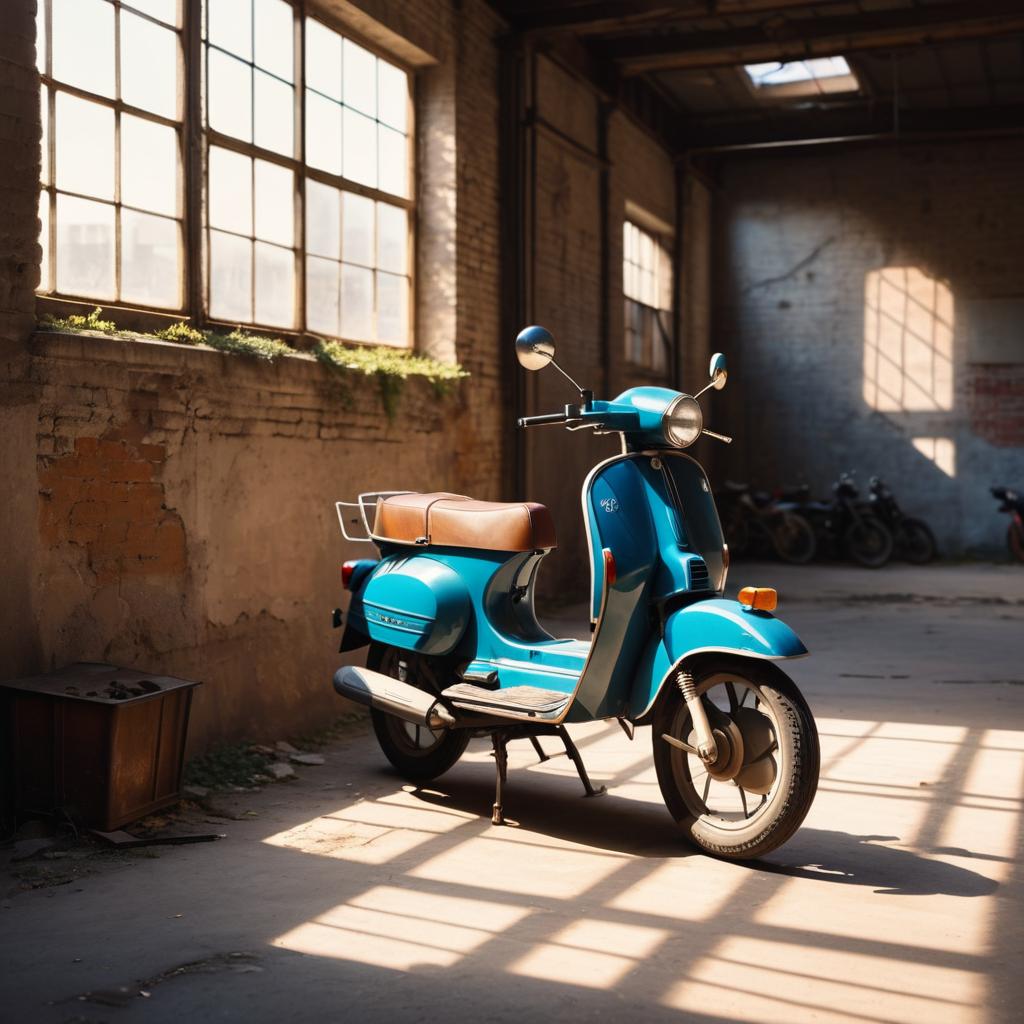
[[347, 568], [610, 572]]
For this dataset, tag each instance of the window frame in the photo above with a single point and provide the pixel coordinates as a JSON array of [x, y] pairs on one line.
[[663, 239], [195, 138], [116, 104]]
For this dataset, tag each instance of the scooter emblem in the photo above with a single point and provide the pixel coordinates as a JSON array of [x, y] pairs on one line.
[[610, 504]]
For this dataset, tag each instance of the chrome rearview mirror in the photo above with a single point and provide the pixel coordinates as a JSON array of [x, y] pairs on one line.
[[535, 348], [717, 371]]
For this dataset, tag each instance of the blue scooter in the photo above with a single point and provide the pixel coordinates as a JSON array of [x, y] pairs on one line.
[[456, 651]]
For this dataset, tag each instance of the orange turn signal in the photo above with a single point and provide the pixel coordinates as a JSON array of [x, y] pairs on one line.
[[762, 599]]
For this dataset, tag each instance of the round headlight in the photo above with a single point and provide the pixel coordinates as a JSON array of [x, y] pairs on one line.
[[682, 422]]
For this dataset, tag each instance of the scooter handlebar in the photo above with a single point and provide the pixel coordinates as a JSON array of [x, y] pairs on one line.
[[570, 414]]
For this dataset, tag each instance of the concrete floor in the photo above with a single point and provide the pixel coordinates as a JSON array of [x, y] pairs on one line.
[[349, 895]]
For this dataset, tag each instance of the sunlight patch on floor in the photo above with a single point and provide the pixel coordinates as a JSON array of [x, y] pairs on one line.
[[401, 929], [596, 954]]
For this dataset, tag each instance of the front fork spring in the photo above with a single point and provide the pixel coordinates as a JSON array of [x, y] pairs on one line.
[[707, 749]]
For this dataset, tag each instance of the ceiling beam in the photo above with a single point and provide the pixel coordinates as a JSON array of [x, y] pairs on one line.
[[796, 38], [853, 124], [599, 16]]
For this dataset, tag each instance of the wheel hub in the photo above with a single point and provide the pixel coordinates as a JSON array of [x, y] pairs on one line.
[[729, 744]]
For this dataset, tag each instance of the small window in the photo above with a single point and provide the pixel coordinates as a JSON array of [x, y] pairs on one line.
[[815, 77], [110, 205], [647, 287]]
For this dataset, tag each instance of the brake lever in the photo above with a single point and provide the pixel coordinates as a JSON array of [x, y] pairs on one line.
[[717, 437]]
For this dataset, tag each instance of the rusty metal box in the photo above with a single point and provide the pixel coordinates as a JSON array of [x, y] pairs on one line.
[[102, 744]]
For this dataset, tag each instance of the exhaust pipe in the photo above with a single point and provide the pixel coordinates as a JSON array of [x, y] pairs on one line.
[[392, 696]]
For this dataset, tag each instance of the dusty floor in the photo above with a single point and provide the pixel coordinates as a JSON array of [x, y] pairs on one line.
[[348, 895]]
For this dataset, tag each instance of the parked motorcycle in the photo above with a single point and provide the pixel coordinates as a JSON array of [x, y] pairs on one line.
[[845, 525], [1013, 505], [912, 538], [455, 648], [755, 521]]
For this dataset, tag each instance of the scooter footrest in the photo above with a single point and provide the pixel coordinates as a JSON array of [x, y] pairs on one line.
[[513, 701]]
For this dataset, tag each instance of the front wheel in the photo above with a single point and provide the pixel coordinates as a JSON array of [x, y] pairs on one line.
[[869, 542], [419, 753], [759, 790]]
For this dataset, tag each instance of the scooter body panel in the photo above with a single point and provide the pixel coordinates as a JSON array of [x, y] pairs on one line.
[[711, 626]]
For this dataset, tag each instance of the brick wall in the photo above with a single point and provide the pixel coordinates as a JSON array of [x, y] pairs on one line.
[[845, 285], [572, 298]]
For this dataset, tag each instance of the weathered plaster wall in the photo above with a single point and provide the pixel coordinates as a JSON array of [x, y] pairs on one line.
[[185, 516], [854, 294]]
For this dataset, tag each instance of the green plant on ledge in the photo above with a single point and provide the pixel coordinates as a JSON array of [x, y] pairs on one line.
[[390, 366]]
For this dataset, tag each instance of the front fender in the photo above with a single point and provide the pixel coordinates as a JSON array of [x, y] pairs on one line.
[[712, 626]]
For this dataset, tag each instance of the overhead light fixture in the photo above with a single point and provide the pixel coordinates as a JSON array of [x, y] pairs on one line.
[[813, 77]]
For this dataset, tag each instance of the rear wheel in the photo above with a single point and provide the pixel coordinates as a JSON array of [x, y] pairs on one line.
[[869, 542], [418, 752], [794, 539], [916, 541], [761, 787]]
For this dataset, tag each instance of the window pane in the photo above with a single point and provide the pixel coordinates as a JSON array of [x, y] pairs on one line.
[[83, 44], [392, 308], [359, 135], [275, 203], [392, 95], [150, 255], [85, 248], [230, 25], [323, 133], [44, 143], [149, 165], [323, 220], [41, 38], [275, 286], [44, 241], [149, 65], [394, 162], [230, 99], [230, 277], [163, 10], [323, 59], [230, 191], [85, 147], [357, 229], [392, 238], [275, 37], [275, 108], [356, 303], [360, 67], [322, 295]]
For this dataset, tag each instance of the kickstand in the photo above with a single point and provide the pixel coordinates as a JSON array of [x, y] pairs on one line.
[[574, 756], [539, 749], [500, 742]]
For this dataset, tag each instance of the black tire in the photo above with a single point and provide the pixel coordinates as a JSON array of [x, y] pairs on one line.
[[784, 806], [869, 542], [418, 753], [916, 541], [794, 539]]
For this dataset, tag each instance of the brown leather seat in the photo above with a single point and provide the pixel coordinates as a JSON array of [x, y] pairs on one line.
[[453, 520]]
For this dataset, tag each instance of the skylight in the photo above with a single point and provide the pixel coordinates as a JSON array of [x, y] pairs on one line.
[[813, 77]]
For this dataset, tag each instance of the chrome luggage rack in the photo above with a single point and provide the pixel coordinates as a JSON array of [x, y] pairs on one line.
[[355, 512]]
